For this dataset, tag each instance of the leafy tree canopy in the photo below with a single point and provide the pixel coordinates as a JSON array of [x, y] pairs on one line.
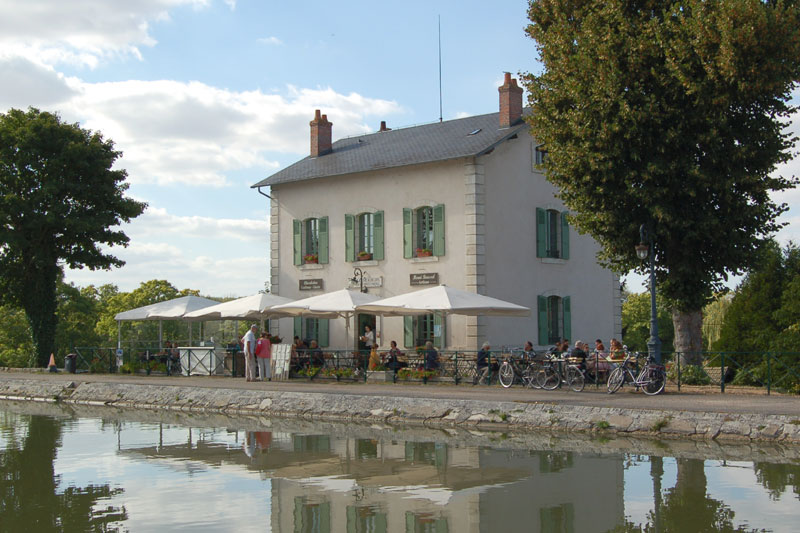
[[764, 312], [669, 114], [636, 322], [60, 201]]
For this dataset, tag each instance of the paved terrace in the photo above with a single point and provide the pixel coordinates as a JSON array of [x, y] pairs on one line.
[[693, 414]]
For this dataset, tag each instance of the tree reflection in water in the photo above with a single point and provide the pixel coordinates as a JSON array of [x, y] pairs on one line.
[[29, 489]]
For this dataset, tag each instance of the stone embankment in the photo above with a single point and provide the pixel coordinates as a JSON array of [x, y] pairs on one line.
[[397, 410]]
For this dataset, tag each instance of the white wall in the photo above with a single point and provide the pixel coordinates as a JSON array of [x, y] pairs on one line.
[[512, 191]]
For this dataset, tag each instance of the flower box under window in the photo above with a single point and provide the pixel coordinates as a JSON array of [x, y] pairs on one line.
[[424, 252], [364, 256], [311, 258]]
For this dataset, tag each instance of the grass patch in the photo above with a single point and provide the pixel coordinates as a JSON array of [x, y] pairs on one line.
[[602, 424], [661, 424]]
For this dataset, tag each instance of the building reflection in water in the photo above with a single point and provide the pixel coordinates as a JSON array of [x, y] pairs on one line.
[[375, 485], [359, 479]]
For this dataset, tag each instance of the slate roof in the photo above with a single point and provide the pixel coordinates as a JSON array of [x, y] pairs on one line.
[[439, 141]]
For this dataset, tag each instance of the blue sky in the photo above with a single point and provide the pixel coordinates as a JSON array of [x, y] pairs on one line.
[[207, 97]]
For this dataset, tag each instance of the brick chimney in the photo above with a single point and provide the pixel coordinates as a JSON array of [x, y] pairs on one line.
[[383, 126], [320, 135], [510, 102]]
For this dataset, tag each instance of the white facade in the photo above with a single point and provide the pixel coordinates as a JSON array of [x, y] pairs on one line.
[[490, 203]]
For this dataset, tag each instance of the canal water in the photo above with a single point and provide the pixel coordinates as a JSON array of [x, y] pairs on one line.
[[98, 469]]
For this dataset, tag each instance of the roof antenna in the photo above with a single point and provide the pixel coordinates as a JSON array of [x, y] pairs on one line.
[[440, 68]]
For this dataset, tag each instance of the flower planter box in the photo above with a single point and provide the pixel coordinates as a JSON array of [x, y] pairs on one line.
[[380, 375], [364, 257]]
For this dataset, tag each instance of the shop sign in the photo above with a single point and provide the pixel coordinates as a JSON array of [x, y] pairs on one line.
[[311, 284], [425, 278]]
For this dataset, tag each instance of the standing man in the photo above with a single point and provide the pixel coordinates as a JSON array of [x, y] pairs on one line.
[[263, 356], [249, 347]]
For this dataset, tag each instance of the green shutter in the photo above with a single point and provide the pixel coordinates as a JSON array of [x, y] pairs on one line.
[[567, 318], [377, 220], [324, 336], [438, 230], [541, 232], [408, 331], [564, 236], [408, 236], [323, 240], [349, 238], [544, 338], [438, 324], [298, 327], [297, 241]]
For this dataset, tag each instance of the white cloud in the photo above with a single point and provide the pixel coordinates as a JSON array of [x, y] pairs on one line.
[[55, 31], [270, 40], [26, 82], [221, 257], [189, 133]]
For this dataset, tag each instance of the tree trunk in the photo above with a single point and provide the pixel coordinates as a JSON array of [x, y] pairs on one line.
[[39, 302], [688, 336]]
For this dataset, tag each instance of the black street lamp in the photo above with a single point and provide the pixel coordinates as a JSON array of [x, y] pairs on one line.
[[358, 277], [644, 250]]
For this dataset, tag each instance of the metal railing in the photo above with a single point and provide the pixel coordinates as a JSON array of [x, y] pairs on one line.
[[760, 371]]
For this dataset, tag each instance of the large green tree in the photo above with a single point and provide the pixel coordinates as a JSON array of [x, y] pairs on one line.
[[60, 201], [669, 114]]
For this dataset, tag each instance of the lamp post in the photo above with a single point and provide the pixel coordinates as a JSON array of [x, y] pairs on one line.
[[644, 250], [358, 277]]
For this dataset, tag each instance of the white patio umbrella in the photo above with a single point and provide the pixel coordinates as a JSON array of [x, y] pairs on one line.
[[342, 303], [255, 307], [444, 300], [169, 310]]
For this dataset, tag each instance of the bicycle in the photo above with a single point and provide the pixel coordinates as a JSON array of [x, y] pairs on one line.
[[651, 380], [552, 374], [512, 370]]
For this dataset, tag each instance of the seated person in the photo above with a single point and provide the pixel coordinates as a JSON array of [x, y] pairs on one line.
[[596, 362], [299, 355], [315, 357], [577, 353], [395, 359], [616, 353], [484, 356], [528, 354], [431, 357]]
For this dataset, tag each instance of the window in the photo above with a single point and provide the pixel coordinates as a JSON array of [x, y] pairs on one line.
[[555, 319], [363, 236], [423, 222], [423, 328], [423, 231], [365, 233], [552, 234], [312, 329], [310, 241], [311, 517], [539, 156]]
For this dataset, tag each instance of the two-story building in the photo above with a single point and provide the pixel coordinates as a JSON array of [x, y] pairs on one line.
[[463, 203]]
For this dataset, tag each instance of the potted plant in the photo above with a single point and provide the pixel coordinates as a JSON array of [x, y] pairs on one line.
[[364, 256], [424, 252], [310, 258]]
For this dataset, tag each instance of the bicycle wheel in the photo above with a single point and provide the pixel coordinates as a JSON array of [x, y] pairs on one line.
[[616, 379], [506, 374], [530, 376], [575, 379], [654, 381], [548, 378]]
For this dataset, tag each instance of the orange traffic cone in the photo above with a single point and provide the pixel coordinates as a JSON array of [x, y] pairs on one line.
[[52, 364]]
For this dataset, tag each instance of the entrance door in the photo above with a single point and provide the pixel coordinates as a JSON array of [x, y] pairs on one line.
[[363, 320]]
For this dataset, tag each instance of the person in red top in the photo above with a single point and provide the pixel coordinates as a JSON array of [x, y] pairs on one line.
[[263, 355]]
